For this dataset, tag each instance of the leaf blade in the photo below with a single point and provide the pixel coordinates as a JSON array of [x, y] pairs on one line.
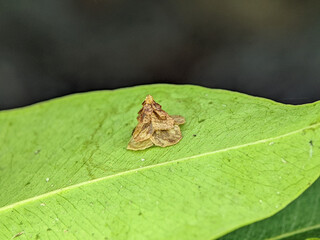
[[95, 150]]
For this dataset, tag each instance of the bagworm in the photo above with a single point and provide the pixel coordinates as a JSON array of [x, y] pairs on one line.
[[155, 127]]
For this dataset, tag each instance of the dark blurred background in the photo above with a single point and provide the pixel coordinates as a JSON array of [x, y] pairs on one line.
[[265, 48]]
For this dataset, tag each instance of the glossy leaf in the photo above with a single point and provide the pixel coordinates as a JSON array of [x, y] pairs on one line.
[[66, 173]]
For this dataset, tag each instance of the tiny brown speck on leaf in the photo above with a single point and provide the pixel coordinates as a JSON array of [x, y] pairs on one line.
[[155, 127], [17, 235]]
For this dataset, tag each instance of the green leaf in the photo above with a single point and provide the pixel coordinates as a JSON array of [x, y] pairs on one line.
[[65, 172], [300, 220]]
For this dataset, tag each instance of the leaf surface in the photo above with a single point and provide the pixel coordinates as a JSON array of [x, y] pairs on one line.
[[66, 173], [299, 220]]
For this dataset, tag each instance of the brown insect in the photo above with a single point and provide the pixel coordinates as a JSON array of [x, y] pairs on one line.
[[155, 127]]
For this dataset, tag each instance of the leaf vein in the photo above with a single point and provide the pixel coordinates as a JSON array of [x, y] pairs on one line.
[[302, 230], [57, 191]]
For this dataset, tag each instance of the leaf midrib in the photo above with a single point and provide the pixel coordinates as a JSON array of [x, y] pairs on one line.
[[289, 234], [10, 206]]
